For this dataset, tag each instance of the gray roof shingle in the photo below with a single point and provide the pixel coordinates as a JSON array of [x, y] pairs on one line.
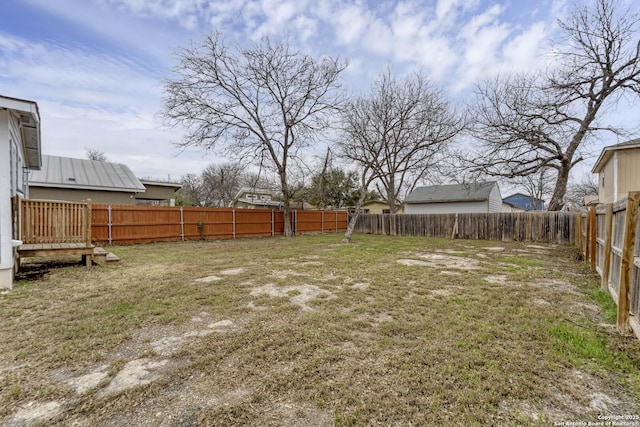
[[66, 172], [473, 192]]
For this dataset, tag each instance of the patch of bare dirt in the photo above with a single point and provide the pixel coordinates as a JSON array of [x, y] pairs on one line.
[[571, 398], [439, 260], [302, 294]]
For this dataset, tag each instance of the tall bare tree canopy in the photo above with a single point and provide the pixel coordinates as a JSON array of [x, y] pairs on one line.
[[266, 101], [530, 122], [398, 131], [395, 134]]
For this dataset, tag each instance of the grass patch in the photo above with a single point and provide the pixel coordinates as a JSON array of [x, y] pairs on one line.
[[317, 332], [528, 262], [607, 304]]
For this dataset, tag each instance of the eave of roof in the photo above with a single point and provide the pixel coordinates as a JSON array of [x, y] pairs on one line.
[[607, 153], [175, 185], [30, 127]]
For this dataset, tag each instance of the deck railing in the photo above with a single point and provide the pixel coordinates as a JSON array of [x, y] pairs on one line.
[[44, 221]]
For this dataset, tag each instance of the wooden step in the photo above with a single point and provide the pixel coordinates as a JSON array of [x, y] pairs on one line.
[[101, 256]]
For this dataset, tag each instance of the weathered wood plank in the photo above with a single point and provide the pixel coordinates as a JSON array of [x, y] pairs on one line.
[[626, 263]]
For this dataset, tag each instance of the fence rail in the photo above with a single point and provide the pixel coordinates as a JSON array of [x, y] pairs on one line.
[[138, 224], [558, 227], [609, 239]]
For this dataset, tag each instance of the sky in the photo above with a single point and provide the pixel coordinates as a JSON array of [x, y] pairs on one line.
[[97, 68]]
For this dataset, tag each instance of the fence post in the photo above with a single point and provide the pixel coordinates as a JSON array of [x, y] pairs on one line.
[[626, 263], [182, 223], [454, 232], [592, 237], [322, 225], [87, 223], [273, 225], [233, 220], [587, 235], [606, 251], [295, 221], [579, 233], [336, 212], [109, 238]]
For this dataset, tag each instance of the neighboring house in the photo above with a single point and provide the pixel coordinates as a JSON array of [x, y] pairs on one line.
[[589, 200], [618, 169], [508, 207], [456, 198], [158, 193], [256, 198], [20, 151], [525, 202], [74, 180], [378, 207]]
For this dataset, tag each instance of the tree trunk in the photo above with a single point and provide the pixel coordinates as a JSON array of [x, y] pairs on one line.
[[356, 214], [286, 205], [391, 199], [557, 200]]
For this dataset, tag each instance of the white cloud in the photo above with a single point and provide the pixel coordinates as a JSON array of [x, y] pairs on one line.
[[522, 53], [350, 23]]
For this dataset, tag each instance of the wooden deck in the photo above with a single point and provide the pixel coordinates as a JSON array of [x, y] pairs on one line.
[[50, 228], [57, 249]]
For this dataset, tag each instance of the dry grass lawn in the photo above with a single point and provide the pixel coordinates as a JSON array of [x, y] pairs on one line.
[[307, 331]]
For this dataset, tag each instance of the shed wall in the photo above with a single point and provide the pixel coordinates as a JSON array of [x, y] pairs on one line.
[[457, 207], [71, 195], [495, 200]]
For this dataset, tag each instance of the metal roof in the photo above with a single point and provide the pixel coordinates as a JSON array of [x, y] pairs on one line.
[[66, 172], [473, 192], [29, 125], [607, 152]]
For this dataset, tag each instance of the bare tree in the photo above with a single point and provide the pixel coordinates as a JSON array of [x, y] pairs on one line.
[[538, 186], [531, 122], [222, 182], [398, 132], [95, 154], [587, 185], [266, 101], [192, 192]]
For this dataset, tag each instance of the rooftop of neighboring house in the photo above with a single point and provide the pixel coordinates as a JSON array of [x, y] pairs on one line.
[[472, 192], [607, 153], [67, 172], [524, 201], [257, 196]]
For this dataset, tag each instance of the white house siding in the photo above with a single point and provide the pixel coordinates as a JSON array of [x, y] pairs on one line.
[[6, 168], [12, 182], [495, 200], [447, 207]]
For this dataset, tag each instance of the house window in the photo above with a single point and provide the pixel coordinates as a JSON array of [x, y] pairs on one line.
[[386, 211], [265, 197]]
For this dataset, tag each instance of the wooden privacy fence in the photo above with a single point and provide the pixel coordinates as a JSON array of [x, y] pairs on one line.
[[558, 227], [609, 239], [53, 222], [137, 224]]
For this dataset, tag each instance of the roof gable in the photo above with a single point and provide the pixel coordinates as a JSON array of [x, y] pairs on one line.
[[607, 153], [473, 192], [66, 172]]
